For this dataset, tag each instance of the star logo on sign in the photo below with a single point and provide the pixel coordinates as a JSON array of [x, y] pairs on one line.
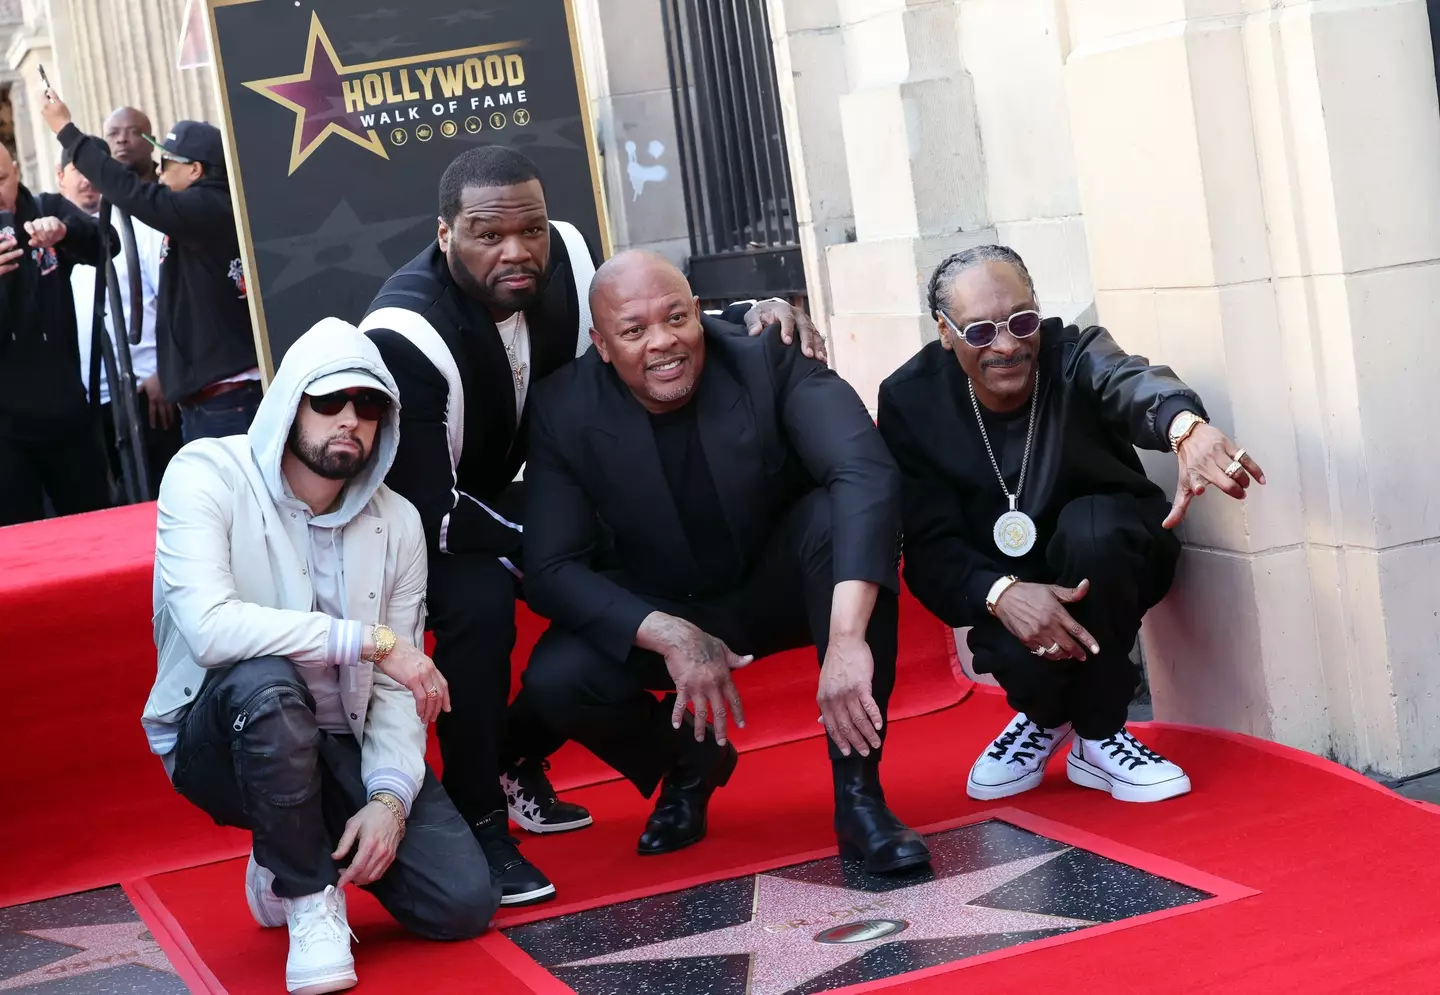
[[97, 948], [342, 241], [316, 95], [800, 931]]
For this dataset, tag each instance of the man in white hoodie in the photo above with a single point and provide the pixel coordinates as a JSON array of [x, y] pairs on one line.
[[292, 694]]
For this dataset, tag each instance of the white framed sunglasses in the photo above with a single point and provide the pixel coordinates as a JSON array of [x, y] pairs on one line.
[[979, 334]]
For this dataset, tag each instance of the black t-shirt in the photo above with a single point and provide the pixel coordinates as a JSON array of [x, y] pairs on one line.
[[677, 437], [1007, 433]]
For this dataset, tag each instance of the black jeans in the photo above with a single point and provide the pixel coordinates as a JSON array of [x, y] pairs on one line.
[[784, 603], [471, 600], [251, 755], [65, 460], [1116, 541], [161, 444]]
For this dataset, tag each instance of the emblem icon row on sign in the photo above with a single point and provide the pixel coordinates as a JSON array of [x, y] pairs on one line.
[[472, 124]]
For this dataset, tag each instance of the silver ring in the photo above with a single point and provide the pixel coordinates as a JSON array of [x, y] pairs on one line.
[[1234, 468], [1053, 648], [1039, 651], [1240, 454], [431, 692]]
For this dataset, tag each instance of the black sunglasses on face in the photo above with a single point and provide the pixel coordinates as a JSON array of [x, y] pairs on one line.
[[370, 405], [979, 334]]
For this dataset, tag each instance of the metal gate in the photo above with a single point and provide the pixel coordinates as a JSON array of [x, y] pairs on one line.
[[738, 199]]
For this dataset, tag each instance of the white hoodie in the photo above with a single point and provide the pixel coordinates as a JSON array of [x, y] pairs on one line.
[[231, 568]]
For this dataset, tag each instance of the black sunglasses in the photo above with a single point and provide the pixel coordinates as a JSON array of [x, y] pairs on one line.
[[370, 405], [979, 334]]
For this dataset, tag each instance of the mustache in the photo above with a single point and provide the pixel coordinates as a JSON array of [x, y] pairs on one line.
[[1006, 363], [505, 274]]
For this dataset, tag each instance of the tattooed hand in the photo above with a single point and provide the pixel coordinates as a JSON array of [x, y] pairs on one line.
[[700, 666]]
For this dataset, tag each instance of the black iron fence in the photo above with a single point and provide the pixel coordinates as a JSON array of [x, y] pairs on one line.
[[738, 199]]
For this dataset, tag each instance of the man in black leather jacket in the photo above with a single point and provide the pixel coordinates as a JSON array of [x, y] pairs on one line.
[[1029, 518]]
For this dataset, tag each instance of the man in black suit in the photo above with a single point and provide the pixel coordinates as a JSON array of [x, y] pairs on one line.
[[747, 506], [1029, 518], [498, 301]]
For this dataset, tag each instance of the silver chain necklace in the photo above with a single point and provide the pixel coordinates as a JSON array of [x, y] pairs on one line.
[[1014, 531]]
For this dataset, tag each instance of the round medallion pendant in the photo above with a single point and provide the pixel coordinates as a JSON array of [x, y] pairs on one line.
[[1014, 533]]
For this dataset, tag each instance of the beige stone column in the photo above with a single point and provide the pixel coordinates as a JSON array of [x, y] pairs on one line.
[[113, 53], [29, 50], [1261, 188]]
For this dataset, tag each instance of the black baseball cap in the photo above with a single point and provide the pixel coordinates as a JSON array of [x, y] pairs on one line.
[[192, 141]]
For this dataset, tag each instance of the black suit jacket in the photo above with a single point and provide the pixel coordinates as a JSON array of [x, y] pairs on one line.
[[1096, 405], [774, 426]]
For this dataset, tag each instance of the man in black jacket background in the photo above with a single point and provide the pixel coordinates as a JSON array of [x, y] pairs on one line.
[[203, 335], [750, 507], [1029, 518], [49, 436]]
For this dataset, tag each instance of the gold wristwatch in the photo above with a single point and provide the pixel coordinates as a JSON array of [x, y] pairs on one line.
[[1185, 423], [384, 643]]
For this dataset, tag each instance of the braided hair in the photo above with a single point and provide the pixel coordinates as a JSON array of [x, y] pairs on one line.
[[943, 279]]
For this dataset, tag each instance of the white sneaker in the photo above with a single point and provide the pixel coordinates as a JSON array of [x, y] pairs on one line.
[[1016, 761], [267, 909], [1125, 767], [320, 959]]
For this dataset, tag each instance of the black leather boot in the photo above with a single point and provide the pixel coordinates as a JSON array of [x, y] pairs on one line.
[[679, 816], [865, 827]]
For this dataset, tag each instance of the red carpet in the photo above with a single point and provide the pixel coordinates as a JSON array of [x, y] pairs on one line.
[[1348, 888], [96, 805]]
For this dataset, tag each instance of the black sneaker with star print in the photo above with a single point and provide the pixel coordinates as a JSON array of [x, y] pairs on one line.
[[532, 802]]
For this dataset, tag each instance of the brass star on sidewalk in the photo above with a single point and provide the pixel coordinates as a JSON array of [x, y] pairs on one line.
[[800, 931]]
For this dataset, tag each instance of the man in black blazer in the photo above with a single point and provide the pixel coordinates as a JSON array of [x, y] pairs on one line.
[[697, 499], [499, 300], [1029, 518]]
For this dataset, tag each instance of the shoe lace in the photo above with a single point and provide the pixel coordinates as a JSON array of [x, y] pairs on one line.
[[1150, 755], [1128, 752], [502, 851], [322, 922], [1034, 744], [1007, 739], [531, 776]]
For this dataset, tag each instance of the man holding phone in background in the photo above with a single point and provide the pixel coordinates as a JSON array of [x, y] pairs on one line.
[[49, 437]]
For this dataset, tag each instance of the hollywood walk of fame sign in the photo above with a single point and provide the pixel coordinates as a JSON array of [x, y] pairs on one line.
[[341, 115], [96, 948], [827, 924]]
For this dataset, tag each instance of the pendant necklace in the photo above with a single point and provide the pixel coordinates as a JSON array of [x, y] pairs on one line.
[[517, 368], [1014, 531]]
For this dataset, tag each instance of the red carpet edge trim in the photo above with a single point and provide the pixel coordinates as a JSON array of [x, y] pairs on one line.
[[171, 937], [542, 982]]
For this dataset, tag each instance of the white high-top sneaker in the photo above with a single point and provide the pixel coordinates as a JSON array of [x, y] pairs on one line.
[[1125, 767], [1016, 761], [265, 906], [320, 959]]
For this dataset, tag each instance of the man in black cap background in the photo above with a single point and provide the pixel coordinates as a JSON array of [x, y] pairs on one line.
[[205, 345], [49, 438]]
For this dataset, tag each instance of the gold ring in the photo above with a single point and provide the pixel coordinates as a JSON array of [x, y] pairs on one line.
[[1234, 468]]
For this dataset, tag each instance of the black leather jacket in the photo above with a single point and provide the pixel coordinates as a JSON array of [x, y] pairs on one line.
[[1097, 404]]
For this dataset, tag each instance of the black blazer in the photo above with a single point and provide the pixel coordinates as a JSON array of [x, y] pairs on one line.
[[1096, 405], [774, 426], [454, 504]]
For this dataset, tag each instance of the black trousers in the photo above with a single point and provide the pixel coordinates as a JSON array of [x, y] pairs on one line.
[[471, 602], [1116, 541], [251, 755], [784, 603], [65, 461], [161, 444]]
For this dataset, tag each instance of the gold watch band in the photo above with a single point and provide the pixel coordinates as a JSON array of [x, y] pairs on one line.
[[393, 804], [384, 643], [1185, 423]]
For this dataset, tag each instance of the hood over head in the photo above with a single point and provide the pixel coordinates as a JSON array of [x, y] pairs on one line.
[[331, 356]]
